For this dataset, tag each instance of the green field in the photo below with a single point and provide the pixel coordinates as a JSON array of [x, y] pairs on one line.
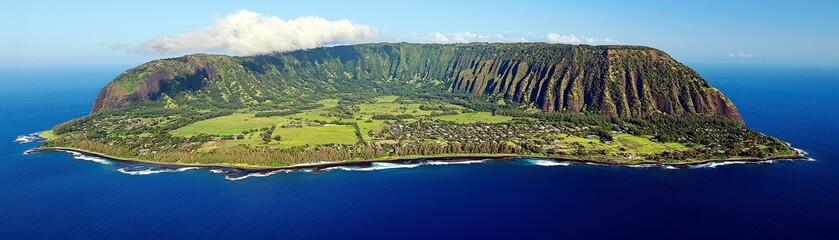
[[310, 134], [388, 105], [631, 144], [328, 103], [327, 134], [318, 114], [232, 124], [643, 145], [365, 128], [48, 134], [314, 134], [392, 108], [486, 117], [251, 139], [315, 115], [386, 99]]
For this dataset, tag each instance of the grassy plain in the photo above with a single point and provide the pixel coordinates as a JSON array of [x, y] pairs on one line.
[[623, 143], [310, 133], [232, 124], [313, 135], [48, 134], [474, 117], [319, 114], [365, 128]]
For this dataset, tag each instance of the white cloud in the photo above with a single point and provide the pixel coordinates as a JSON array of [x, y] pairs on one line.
[[507, 36], [742, 55], [465, 37], [556, 38], [246, 32], [573, 39]]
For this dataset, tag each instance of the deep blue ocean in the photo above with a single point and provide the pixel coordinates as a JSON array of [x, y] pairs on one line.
[[56, 196]]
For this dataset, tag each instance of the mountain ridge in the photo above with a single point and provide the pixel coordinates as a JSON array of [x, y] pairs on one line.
[[611, 80]]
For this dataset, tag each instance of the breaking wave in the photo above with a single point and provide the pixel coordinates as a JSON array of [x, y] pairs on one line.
[[548, 163], [597, 164], [454, 162], [643, 165], [717, 164], [152, 170], [29, 138], [804, 154], [373, 167], [234, 177], [233, 174], [80, 156]]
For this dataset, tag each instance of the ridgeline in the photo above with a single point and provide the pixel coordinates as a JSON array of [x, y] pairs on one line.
[[627, 81]]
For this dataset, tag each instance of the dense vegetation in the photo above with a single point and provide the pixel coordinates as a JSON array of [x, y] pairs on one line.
[[608, 103], [609, 80]]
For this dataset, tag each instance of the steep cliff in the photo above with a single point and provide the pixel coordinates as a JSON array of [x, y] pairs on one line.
[[609, 80]]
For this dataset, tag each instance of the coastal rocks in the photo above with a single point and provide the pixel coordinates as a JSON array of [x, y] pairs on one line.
[[29, 138]]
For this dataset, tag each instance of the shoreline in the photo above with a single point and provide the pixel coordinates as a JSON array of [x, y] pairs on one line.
[[320, 165]]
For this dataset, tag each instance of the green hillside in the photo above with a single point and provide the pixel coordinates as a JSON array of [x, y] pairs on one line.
[[610, 80]]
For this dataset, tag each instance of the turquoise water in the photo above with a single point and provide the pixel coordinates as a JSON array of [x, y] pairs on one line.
[[56, 196]]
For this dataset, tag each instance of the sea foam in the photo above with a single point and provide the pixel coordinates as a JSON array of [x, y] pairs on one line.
[[154, 170], [255, 174], [717, 164], [32, 137], [548, 163], [80, 156], [373, 167], [642, 165], [454, 162], [804, 154], [29, 151], [800, 151]]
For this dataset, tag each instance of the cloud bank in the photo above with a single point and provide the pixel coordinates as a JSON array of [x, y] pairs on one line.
[[248, 33], [742, 55], [245, 32], [507, 36], [465, 37], [573, 39]]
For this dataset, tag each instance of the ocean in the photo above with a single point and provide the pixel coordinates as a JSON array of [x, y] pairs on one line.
[[55, 195]]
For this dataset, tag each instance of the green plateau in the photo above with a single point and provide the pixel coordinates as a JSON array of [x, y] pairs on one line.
[[610, 104]]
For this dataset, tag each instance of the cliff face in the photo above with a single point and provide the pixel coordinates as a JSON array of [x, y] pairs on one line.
[[610, 80], [622, 81], [150, 80]]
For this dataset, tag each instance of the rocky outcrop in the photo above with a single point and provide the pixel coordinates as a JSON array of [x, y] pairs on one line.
[[150, 81]]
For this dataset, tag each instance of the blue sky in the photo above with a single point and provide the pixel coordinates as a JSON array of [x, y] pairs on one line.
[[111, 32]]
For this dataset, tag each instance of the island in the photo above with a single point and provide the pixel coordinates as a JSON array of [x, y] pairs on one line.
[[394, 101]]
